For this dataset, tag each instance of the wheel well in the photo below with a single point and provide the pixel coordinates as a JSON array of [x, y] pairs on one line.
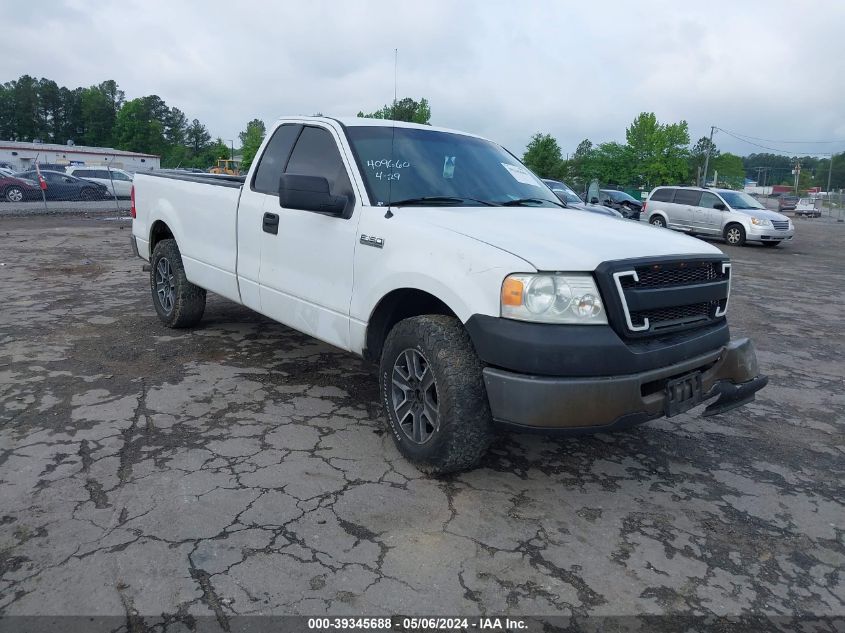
[[658, 214], [160, 231], [393, 307], [730, 224]]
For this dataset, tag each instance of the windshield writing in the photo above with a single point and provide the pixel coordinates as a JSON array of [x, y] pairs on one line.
[[410, 164]]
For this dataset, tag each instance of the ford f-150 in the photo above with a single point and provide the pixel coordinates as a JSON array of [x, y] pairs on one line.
[[438, 256]]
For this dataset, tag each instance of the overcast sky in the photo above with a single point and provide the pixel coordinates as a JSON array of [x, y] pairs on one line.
[[772, 69]]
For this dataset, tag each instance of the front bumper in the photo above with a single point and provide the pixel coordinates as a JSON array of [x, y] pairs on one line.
[[768, 234], [590, 405]]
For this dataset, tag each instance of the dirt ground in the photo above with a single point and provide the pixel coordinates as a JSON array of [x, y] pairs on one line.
[[242, 468]]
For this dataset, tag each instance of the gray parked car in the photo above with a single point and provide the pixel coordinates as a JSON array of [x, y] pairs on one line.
[[732, 215], [571, 200]]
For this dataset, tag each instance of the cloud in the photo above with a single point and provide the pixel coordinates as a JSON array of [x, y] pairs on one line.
[[504, 70]]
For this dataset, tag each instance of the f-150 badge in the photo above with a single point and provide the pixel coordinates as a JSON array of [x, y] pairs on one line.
[[369, 240]]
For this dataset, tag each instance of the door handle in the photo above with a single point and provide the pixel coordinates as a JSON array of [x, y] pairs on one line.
[[270, 223]]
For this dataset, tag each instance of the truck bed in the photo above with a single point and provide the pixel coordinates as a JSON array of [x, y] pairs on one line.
[[201, 211], [221, 180]]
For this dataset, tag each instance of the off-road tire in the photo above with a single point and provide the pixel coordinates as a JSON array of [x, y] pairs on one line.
[[188, 300], [658, 220], [735, 235], [464, 429]]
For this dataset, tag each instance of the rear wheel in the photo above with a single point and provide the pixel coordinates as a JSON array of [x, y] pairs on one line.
[[658, 220], [14, 194], [735, 234], [433, 393], [177, 301]]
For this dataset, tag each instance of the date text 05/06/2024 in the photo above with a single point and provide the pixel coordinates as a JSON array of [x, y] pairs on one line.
[[416, 623]]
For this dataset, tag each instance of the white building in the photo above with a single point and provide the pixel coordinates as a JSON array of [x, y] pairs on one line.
[[21, 156]]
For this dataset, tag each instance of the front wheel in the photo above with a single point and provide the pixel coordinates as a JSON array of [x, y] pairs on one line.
[[735, 235], [433, 393], [657, 221], [87, 194], [14, 194], [177, 301]]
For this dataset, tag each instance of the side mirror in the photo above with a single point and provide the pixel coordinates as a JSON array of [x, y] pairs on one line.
[[594, 200], [309, 193], [720, 206]]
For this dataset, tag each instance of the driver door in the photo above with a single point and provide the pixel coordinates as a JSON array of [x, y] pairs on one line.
[[306, 257]]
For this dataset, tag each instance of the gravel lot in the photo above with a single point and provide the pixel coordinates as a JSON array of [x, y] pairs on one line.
[[242, 468]]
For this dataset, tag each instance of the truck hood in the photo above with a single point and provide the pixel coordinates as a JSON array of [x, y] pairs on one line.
[[559, 239]]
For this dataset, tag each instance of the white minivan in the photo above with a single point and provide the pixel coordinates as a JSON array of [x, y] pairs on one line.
[[117, 181], [732, 215]]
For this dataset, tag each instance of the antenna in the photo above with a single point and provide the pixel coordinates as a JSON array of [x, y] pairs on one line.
[[389, 213]]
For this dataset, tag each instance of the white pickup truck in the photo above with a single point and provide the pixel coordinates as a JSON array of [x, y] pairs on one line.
[[438, 256]]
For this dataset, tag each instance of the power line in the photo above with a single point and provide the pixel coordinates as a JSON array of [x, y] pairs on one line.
[[772, 140], [772, 149]]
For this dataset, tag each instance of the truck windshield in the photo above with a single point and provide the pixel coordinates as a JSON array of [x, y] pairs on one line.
[[431, 167]]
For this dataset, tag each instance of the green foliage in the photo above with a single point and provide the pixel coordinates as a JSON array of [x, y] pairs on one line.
[[730, 170], [100, 116], [543, 156], [406, 109], [837, 176], [698, 155], [658, 152], [136, 128], [251, 139]]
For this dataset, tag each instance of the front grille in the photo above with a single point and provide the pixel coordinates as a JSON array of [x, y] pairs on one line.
[[780, 225], [675, 274], [652, 297], [663, 318]]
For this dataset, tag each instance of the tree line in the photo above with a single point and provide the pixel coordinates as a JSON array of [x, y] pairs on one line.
[[656, 153], [100, 116]]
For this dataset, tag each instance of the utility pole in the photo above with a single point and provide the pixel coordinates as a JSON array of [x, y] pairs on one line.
[[797, 172], [707, 156], [829, 196]]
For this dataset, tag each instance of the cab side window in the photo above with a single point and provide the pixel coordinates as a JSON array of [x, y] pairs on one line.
[[316, 154], [274, 158], [709, 200]]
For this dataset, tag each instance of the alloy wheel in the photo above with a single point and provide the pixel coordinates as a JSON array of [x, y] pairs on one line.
[[734, 236], [14, 195], [414, 396], [165, 285]]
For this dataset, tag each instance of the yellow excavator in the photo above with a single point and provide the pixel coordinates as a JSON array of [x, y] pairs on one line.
[[226, 166]]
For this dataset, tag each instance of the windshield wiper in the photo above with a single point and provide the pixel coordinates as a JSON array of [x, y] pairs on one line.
[[437, 200], [520, 201]]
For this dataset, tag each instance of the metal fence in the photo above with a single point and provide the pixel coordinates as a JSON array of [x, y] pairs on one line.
[[827, 205], [58, 187]]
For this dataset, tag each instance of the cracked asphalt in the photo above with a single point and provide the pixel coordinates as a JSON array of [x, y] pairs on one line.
[[242, 467]]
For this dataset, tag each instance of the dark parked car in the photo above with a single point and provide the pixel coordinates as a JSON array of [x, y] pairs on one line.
[[14, 189], [66, 187], [787, 202], [569, 198], [627, 205]]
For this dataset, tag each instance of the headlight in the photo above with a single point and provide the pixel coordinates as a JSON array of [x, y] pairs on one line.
[[552, 298], [760, 222]]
